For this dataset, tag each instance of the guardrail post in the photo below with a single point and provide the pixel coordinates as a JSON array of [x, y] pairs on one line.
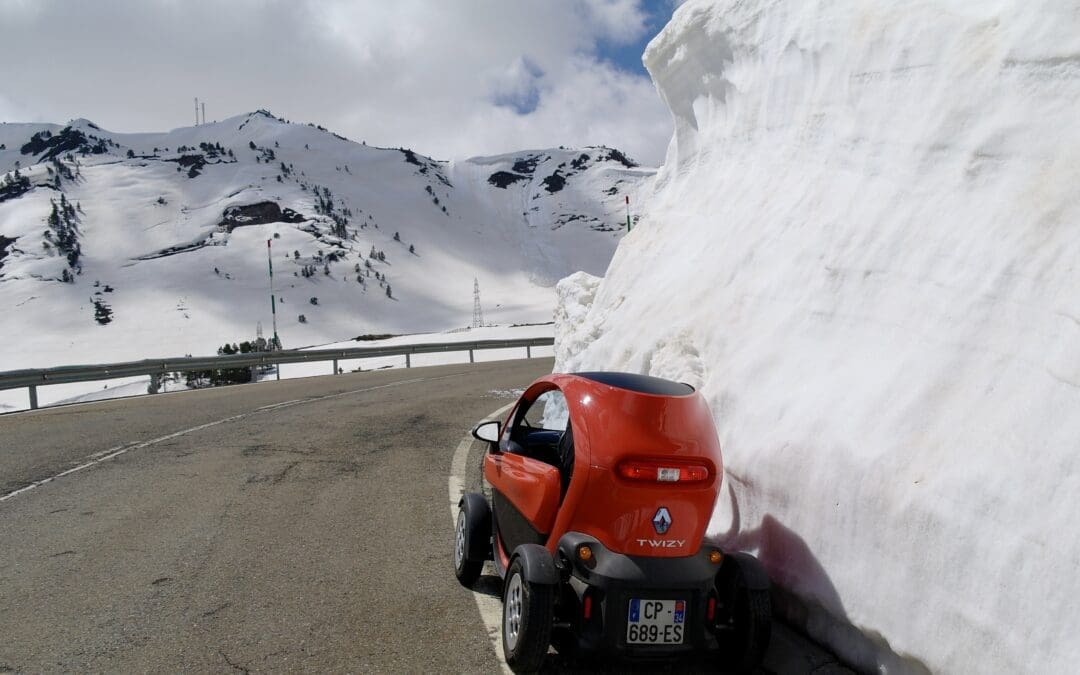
[[35, 377], [254, 373], [335, 366]]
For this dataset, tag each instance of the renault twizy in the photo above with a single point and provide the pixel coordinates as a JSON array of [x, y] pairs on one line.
[[602, 486]]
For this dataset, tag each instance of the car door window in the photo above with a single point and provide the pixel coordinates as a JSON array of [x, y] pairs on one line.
[[539, 427], [547, 412]]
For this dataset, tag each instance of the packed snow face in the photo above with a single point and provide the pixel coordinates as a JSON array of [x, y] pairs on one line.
[[158, 242], [863, 250]]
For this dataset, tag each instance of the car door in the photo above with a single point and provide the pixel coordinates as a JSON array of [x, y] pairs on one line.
[[523, 473]]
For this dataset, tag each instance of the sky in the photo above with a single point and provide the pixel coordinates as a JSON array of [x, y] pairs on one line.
[[448, 79]]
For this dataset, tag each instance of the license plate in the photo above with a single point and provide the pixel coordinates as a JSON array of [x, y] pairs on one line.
[[656, 622]]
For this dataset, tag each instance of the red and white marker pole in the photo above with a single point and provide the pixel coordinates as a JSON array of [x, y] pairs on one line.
[[273, 303]]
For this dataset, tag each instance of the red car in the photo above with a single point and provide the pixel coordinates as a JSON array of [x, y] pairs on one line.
[[602, 485]]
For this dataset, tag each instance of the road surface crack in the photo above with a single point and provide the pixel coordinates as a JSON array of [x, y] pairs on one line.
[[229, 661], [217, 609], [280, 476]]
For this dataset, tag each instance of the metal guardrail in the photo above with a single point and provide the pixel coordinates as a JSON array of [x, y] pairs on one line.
[[32, 378]]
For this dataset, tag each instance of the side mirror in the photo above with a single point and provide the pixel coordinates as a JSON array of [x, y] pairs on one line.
[[488, 431]]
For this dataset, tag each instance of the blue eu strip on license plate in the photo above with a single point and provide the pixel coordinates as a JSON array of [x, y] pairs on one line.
[[659, 622]]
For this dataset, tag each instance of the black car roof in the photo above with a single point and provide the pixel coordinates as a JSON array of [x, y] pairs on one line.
[[644, 384]]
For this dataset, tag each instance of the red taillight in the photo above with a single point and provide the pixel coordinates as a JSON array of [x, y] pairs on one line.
[[710, 612], [662, 472], [586, 609]]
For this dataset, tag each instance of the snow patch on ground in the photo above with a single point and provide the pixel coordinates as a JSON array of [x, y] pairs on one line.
[[512, 394], [862, 250]]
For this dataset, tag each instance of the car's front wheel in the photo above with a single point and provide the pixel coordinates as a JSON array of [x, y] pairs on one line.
[[466, 570], [526, 624]]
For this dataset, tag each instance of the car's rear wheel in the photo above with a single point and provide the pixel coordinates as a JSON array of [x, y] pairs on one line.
[[745, 634], [526, 624]]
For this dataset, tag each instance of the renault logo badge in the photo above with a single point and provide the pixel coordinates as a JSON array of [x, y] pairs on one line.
[[662, 520]]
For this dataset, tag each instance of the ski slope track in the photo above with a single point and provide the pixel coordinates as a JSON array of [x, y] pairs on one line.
[[158, 244], [863, 249]]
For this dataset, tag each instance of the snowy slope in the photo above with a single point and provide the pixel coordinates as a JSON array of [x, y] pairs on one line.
[[163, 248], [863, 249]]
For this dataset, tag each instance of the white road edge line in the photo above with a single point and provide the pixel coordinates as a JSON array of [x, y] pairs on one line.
[[104, 455], [490, 608]]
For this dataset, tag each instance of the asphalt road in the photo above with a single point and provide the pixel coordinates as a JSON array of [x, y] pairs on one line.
[[300, 525], [310, 536]]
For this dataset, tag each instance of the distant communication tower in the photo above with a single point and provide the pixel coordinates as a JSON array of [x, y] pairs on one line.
[[196, 111], [203, 104], [477, 313]]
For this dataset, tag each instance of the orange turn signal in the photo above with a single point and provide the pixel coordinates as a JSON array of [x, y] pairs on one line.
[[584, 553], [715, 556]]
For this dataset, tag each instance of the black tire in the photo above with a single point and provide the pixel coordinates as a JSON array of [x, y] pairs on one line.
[[746, 637], [466, 568], [526, 621]]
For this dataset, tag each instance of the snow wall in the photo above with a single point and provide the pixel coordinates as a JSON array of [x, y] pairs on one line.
[[863, 249]]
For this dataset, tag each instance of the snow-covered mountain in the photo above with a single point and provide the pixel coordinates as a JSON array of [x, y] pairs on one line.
[[863, 250], [122, 246]]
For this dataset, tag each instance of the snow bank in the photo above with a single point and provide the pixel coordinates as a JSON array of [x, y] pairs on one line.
[[863, 249]]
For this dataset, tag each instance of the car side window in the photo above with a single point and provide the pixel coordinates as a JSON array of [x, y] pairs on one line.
[[538, 428], [547, 412]]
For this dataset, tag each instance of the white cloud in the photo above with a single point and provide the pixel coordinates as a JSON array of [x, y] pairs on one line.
[[450, 79], [621, 21]]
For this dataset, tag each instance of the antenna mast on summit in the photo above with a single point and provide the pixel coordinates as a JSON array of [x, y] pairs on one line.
[[203, 104], [477, 313], [196, 111]]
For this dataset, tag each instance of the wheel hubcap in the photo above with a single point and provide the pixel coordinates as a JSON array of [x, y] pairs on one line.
[[459, 545], [512, 612]]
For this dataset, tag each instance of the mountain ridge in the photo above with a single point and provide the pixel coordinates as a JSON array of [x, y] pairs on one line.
[[381, 240]]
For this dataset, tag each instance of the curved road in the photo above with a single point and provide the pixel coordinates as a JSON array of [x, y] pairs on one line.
[[311, 535], [293, 525]]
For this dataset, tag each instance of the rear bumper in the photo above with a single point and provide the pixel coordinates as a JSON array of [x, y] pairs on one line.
[[609, 581]]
